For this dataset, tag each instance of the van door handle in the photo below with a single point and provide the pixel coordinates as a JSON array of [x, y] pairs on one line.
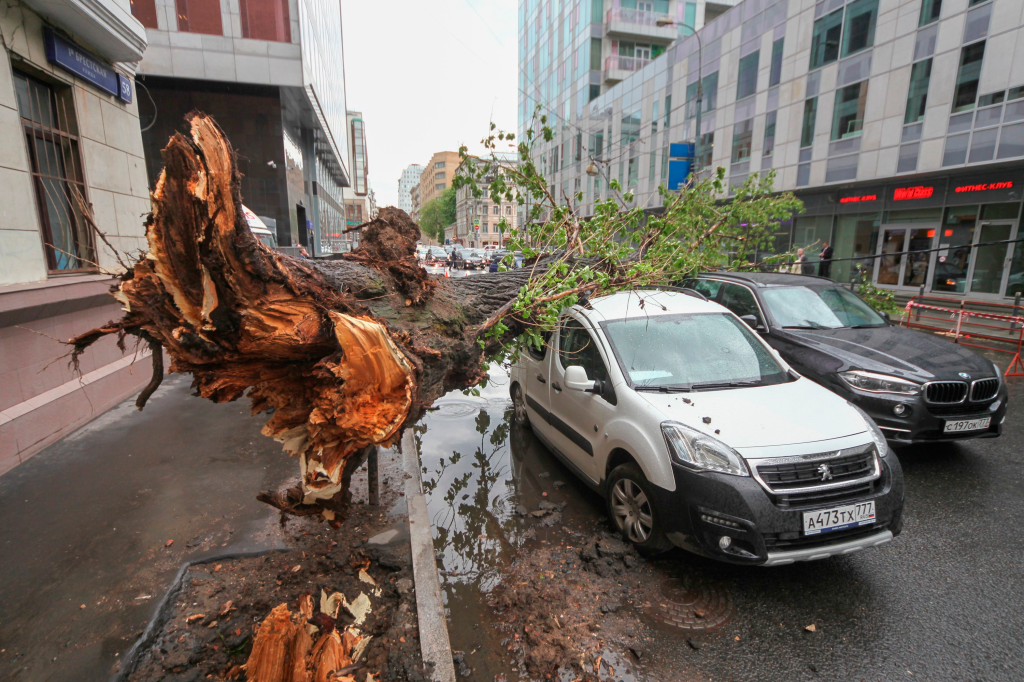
[[541, 379], [556, 386]]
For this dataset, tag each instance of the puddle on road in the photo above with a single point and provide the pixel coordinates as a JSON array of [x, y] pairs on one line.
[[480, 472]]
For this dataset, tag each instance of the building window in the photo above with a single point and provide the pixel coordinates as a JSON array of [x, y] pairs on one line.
[[709, 93], [707, 150], [439, 185], [807, 128], [439, 176], [775, 74], [930, 10], [630, 129], [967, 77], [917, 95], [848, 118], [265, 20], [496, 210], [769, 133], [56, 173], [825, 39], [668, 110], [145, 12], [199, 16], [508, 210], [439, 164], [634, 173], [747, 83], [859, 32], [742, 139], [654, 117]]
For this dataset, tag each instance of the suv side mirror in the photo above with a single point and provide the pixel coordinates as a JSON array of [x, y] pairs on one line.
[[753, 322], [576, 379], [887, 318]]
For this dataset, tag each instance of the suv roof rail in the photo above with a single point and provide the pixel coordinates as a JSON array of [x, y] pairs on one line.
[[678, 290]]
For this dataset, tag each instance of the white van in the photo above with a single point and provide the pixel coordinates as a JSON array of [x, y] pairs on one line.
[[259, 228]]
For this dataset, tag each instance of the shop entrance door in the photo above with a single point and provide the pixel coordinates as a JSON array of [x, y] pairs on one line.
[[889, 268], [991, 265], [912, 267]]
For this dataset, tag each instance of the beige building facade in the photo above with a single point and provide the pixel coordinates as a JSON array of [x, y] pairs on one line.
[[65, 134], [479, 221], [437, 175]]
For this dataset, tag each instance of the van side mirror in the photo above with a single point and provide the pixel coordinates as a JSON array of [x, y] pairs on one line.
[[576, 379], [753, 322]]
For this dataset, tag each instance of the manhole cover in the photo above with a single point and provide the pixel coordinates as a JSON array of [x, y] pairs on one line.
[[690, 604]]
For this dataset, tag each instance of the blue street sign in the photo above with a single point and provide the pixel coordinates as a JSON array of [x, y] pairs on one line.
[[680, 163], [74, 59]]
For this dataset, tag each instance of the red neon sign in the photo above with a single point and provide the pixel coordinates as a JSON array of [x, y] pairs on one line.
[[983, 187], [907, 193], [858, 199]]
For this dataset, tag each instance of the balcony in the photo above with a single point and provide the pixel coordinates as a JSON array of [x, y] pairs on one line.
[[618, 68], [639, 24]]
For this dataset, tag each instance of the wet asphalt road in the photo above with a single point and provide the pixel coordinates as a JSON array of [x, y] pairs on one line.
[[85, 522], [944, 601]]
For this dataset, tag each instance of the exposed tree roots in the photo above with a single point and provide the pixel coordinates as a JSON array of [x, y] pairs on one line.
[[345, 353]]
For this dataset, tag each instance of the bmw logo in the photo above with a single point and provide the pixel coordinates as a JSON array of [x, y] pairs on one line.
[[965, 375]]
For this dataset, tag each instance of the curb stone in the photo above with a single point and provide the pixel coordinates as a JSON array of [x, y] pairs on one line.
[[435, 646]]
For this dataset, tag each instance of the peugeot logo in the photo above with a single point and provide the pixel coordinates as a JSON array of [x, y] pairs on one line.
[[826, 472], [965, 375]]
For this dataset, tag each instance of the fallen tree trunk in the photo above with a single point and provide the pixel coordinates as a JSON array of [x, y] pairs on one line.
[[345, 352]]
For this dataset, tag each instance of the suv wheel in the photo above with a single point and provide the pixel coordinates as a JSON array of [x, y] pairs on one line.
[[631, 508], [519, 406]]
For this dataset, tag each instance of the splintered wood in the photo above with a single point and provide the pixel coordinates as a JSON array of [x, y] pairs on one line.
[[284, 649]]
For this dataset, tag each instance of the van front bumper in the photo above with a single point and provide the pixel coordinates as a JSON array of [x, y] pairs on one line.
[[706, 506]]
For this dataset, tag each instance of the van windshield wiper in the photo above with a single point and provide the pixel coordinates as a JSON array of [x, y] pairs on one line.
[[664, 389], [724, 384]]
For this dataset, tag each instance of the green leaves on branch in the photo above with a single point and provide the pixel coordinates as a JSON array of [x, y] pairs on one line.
[[437, 214], [619, 246]]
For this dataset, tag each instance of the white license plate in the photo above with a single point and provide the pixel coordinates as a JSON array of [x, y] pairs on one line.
[[839, 518], [959, 425]]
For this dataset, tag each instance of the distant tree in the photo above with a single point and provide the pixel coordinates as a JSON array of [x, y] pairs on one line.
[[438, 214]]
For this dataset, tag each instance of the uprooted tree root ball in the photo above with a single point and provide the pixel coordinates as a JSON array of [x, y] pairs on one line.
[[345, 352]]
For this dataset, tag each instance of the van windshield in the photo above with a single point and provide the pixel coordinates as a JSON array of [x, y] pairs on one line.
[[691, 352]]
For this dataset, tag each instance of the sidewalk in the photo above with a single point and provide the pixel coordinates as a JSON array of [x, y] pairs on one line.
[[86, 521]]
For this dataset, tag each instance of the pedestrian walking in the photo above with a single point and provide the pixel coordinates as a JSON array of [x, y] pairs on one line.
[[450, 263], [825, 266]]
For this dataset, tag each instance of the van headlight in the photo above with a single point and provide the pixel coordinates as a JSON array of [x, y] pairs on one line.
[[876, 433], [700, 451], [879, 383]]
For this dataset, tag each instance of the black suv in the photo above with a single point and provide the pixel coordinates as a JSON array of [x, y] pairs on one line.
[[916, 386]]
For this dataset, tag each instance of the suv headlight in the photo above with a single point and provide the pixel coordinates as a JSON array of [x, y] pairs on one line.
[[700, 451], [876, 433], [879, 383]]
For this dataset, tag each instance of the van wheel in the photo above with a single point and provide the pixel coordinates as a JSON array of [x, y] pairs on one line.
[[631, 508], [519, 406]]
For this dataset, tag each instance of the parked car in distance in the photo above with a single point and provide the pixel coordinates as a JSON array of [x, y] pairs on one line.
[[496, 258], [469, 259], [916, 386], [436, 256], [698, 434]]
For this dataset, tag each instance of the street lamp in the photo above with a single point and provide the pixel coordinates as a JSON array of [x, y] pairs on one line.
[[665, 21]]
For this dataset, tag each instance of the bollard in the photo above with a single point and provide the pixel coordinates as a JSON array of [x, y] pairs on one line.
[[372, 481], [1014, 326]]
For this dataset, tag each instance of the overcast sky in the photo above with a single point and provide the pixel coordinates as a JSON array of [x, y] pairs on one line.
[[428, 77]]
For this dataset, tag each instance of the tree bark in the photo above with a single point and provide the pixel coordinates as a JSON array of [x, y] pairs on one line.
[[345, 352]]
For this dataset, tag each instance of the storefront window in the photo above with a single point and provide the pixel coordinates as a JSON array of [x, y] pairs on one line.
[[810, 234], [856, 237], [918, 240], [954, 255], [1000, 211], [1015, 283]]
